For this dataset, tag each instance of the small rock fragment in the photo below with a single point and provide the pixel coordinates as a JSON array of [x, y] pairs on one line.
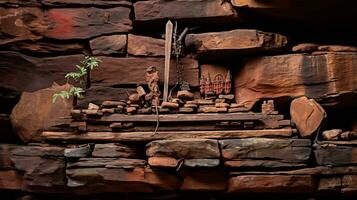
[[332, 134], [238, 109], [92, 106], [111, 104], [220, 100], [116, 125], [131, 110], [144, 111], [205, 102], [108, 110], [134, 98], [184, 94], [229, 97], [188, 105], [170, 105], [186, 110], [305, 47], [349, 135], [222, 105]]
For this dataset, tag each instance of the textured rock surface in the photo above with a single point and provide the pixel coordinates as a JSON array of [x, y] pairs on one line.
[[108, 45], [116, 71], [184, 148], [198, 10], [295, 75], [280, 150], [235, 41], [35, 112], [333, 155], [307, 115], [26, 73], [145, 46], [271, 184]]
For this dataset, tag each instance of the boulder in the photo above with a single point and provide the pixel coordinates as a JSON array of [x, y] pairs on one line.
[[271, 184], [307, 115], [235, 41], [131, 70], [35, 112], [109, 45], [184, 148], [294, 75], [145, 46]]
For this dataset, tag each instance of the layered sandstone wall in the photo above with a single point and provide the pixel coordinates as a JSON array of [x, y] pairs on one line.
[[42, 40]]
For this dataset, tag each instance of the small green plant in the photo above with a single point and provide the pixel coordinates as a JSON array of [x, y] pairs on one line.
[[80, 76]]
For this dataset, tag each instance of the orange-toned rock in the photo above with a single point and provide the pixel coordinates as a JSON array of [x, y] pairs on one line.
[[145, 46], [271, 184], [235, 41], [101, 3], [116, 71], [204, 180], [84, 23], [305, 47], [10, 180], [35, 112], [349, 185], [108, 45], [295, 75], [308, 116], [337, 48]]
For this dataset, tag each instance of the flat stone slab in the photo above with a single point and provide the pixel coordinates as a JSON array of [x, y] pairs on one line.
[[235, 41], [280, 150], [184, 148]]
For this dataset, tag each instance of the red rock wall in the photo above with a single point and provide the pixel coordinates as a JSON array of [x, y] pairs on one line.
[[42, 40]]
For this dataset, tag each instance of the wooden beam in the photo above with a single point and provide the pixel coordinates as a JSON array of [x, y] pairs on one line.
[[190, 117], [149, 136]]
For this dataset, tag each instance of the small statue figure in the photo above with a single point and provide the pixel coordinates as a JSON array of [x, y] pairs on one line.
[[228, 83], [208, 85], [152, 78], [218, 84]]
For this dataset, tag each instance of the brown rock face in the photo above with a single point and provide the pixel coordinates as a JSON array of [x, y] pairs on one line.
[[107, 45], [184, 148], [295, 75], [271, 184], [115, 150], [116, 71], [336, 155], [85, 3], [35, 112], [294, 151], [45, 48], [235, 41], [16, 23], [63, 23], [26, 73], [198, 10], [10, 180], [145, 46], [84, 23]]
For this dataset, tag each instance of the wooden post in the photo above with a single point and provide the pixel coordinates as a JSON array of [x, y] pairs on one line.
[[168, 45]]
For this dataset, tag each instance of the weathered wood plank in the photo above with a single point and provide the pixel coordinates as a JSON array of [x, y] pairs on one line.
[[190, 117], [149, 136]]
